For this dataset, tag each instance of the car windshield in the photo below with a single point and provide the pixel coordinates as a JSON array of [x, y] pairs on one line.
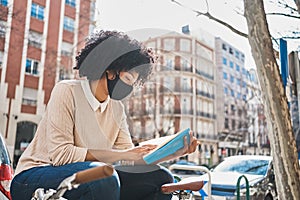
[[255, 167]]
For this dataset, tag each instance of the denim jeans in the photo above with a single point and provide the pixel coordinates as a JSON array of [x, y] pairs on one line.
[[127, 182]]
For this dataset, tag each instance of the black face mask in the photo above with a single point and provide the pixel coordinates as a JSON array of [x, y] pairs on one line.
[[117, 89]]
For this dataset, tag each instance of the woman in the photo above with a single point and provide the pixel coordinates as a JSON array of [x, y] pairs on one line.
[[85, 126]]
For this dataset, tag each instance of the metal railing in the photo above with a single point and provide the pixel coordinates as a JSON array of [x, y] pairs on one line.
[[238, 188]]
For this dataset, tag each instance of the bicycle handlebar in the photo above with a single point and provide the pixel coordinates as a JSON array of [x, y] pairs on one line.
[[93, 174]]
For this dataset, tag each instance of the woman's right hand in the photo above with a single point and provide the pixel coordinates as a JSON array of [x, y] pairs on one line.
[[137, 153]]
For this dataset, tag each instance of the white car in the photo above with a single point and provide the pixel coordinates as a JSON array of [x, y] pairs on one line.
[[257, 169]]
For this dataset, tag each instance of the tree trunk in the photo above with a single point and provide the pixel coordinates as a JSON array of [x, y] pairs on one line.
[[283, 145], [297, 2]]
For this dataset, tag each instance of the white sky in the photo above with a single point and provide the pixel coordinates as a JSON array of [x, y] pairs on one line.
[[145, 16]]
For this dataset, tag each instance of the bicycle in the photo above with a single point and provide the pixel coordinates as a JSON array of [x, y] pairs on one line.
[[180, 189]]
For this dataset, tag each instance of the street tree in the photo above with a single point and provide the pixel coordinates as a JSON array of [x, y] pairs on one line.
[[283, 145], [281, 134]]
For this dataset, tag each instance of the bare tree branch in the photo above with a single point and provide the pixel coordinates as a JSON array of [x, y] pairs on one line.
[[207, 14], [225, 24], [284, 5], [283, 14], [291, 37]]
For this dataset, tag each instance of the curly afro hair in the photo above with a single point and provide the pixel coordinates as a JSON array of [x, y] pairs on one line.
[[116, 51]]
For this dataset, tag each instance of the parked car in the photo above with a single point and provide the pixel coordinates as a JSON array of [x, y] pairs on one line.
[[6, 171], [186, 173], [257, 169]]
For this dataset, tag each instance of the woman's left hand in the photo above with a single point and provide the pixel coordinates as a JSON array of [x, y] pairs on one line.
[[193, 144], [188, 147]]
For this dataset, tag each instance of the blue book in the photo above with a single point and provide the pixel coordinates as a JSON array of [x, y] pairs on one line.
[[168, 147]]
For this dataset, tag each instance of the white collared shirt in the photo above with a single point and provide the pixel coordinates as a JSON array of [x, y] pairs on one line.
[[94, 103]]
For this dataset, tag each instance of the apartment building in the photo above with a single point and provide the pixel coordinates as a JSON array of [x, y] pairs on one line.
[[38, 43], [231, 96], [181, 94], [257, 138]]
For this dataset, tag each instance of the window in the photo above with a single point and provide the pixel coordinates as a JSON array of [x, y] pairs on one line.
[[204, 52], [242, 57], [244, 71], [35, 39], [244, 84], [238, 81], [64, 74], [32, 67], [185, 45], [233, 124], [231, 78], [2, 28], [3, 2], [37, 11], [232, 93], [66, 49], [169, 44], [69, 24], [186, 87], [1, 58], [226, 123], [224, 47], [29, 96], [225, 75], [169, 64], [93, 17], [168, 104], [231, 64], [224, 61], [237, 54], [71, 2], [184, 63], [237, 68], [168, 83], [230, 50], [225, 90], [244, 97]]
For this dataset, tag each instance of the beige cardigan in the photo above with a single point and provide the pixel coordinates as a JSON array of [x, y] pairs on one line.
[[72, 124]]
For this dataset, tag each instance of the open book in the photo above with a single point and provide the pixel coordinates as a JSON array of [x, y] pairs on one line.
[[168, 146]]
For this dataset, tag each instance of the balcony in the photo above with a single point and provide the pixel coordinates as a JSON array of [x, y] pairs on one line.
[[186, 69], [206, 115], [201, 73], [205, 94]]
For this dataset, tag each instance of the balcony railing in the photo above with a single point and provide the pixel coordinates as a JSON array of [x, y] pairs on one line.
[[206, 75], [207, 115], [205, 94]]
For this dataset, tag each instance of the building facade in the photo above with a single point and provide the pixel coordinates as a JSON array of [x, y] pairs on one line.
[[242, 127], [231, 98], [257, 138], [181, 94], [38, 43]]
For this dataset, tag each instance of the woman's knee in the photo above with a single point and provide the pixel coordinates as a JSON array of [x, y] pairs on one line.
[[108, 184]]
